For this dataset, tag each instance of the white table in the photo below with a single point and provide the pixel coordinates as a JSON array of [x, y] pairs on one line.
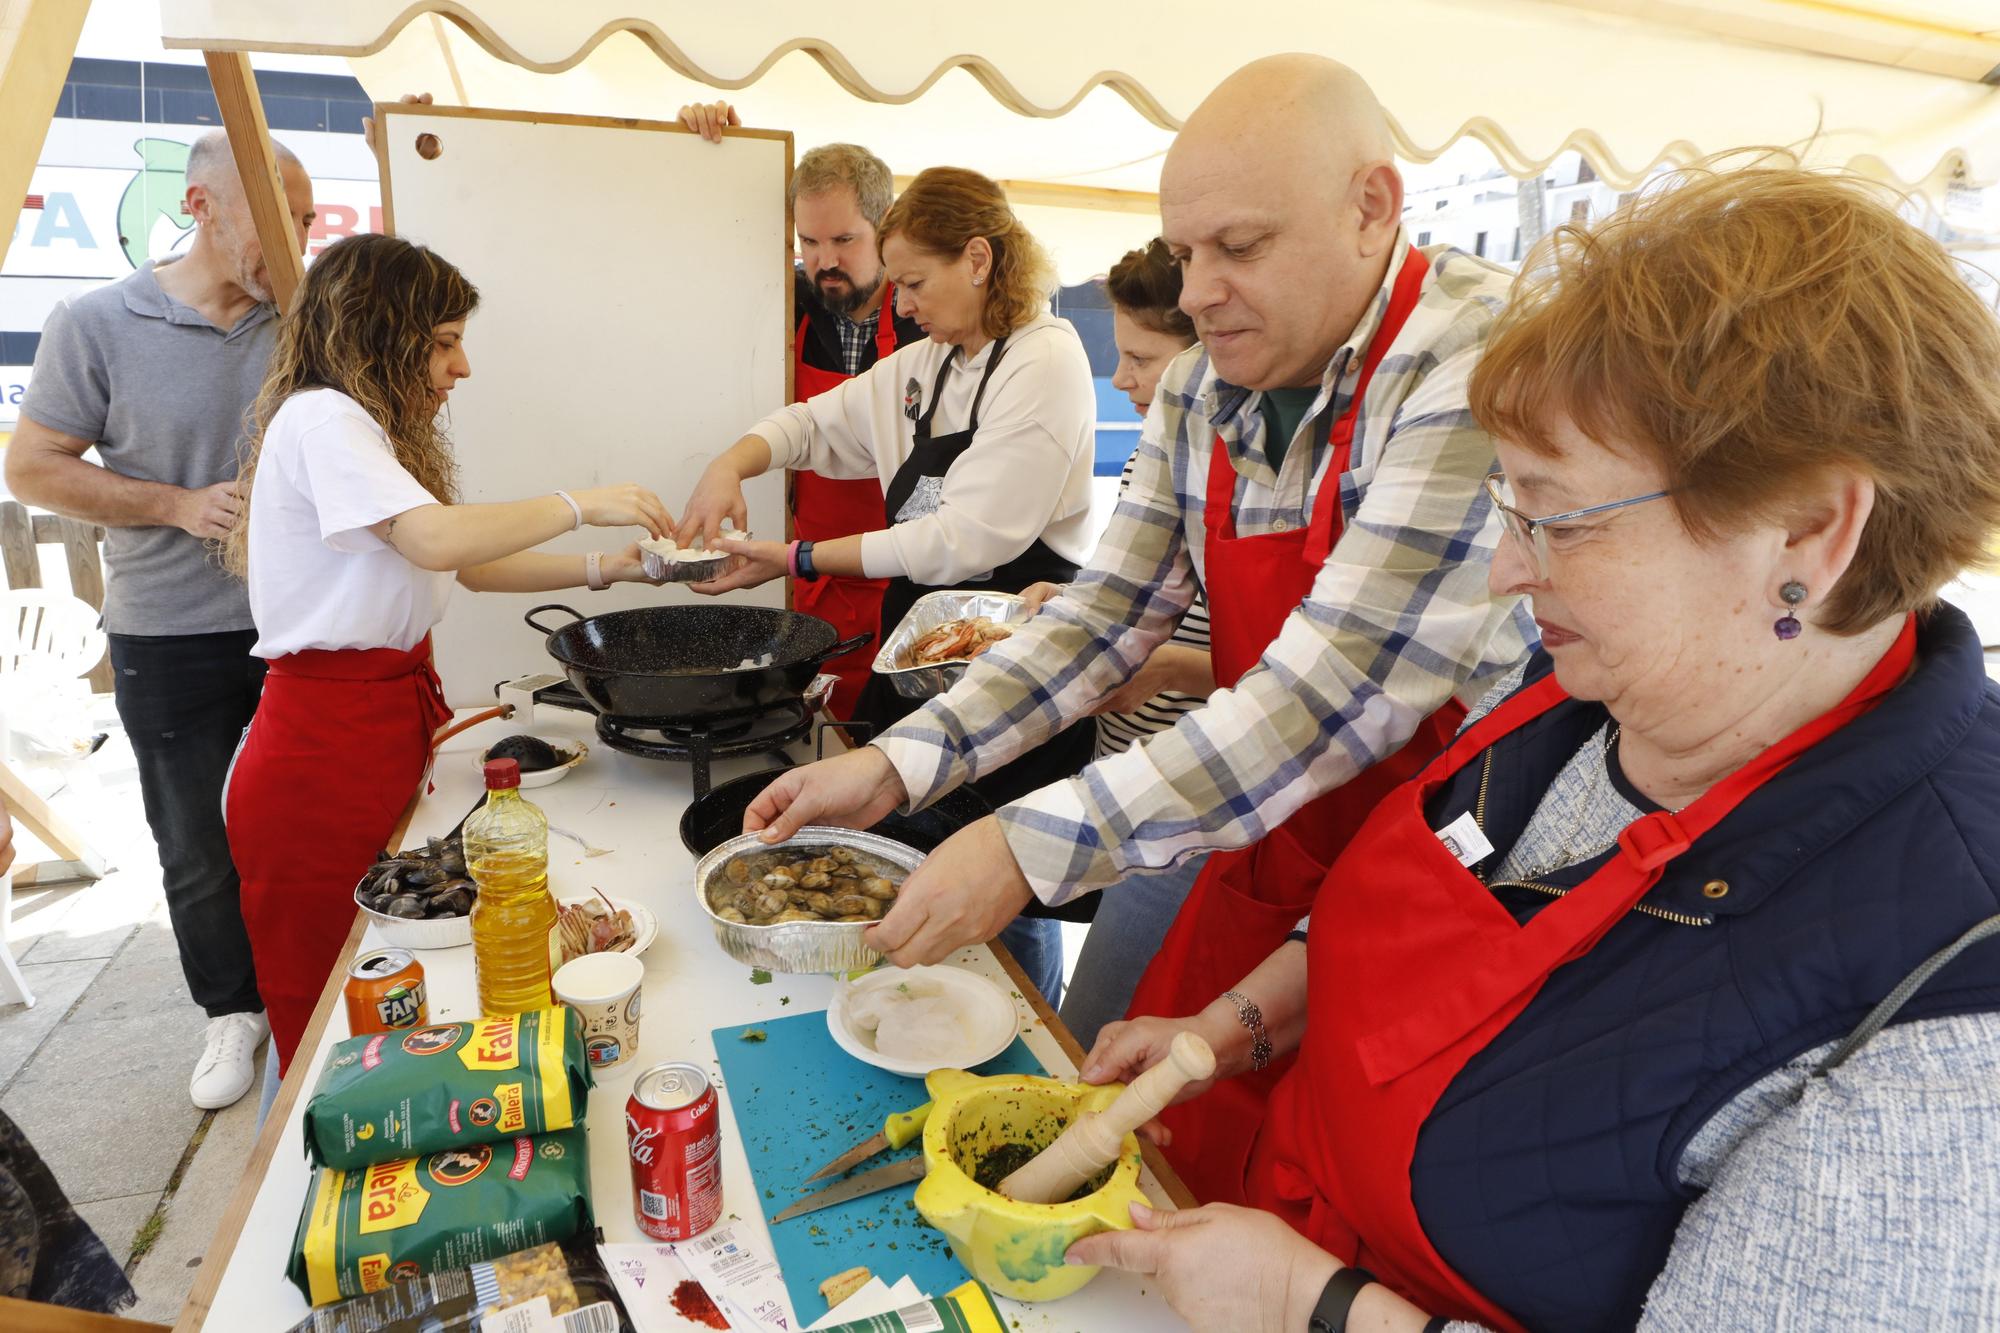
[[632, 806]]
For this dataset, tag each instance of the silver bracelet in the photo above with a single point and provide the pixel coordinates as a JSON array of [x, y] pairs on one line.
[[593, 571], [574, 508], [1248, 1014]]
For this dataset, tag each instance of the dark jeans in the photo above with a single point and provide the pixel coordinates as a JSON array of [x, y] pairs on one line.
[[184, 700]]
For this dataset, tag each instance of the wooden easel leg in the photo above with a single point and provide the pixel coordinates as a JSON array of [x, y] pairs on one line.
[[35, 814], [37, 42], [250, 142]]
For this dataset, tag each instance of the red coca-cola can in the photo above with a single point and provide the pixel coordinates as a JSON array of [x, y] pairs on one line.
[[675, 1137]]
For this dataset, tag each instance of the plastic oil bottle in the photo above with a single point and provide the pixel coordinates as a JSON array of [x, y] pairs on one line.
[[514, 917]]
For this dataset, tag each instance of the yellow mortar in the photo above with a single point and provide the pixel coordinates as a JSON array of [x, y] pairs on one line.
[[1016, 1248]]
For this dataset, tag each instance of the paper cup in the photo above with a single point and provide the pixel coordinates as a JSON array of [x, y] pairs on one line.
[[603, 988]]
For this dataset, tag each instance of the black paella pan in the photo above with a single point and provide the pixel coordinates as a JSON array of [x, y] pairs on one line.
[[714, 819], [676, 664]]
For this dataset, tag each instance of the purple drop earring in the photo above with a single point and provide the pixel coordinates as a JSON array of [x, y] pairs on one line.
[[1788, 626]]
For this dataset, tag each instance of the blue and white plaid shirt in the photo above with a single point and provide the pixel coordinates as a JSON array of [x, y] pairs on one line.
[[1398, 620]]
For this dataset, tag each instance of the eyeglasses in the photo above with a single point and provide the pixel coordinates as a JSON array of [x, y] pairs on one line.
[[1532, 533]]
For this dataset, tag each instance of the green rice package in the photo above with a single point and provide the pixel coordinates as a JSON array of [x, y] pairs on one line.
[[392, 1221], [391, 1095]]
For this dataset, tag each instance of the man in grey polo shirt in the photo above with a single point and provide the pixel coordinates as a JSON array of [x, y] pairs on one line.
[[157, 373]]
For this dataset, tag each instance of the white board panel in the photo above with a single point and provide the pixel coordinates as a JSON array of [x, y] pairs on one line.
[[634, 314]]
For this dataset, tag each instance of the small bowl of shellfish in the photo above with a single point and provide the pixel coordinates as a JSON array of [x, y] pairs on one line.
[[422, 898], [801, 905]]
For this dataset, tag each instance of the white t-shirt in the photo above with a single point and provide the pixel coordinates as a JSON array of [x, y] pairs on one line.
[[1026, 475], [318, 577]]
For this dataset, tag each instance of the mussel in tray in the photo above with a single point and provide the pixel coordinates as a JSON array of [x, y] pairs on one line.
[[804, 884], [427, 883]]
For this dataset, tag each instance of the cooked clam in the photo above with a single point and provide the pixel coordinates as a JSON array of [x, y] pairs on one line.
[[803, 884]]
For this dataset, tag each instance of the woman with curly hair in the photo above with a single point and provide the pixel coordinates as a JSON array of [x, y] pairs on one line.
[[982, 437], [351, 538]]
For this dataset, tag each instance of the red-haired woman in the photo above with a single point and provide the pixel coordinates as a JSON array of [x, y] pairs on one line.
[[1669, 994], [982, 437]]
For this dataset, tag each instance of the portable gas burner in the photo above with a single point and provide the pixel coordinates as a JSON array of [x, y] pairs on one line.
[[696, 742]]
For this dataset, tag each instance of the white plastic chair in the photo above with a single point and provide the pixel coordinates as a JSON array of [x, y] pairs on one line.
[[48, 640], [48, 636]]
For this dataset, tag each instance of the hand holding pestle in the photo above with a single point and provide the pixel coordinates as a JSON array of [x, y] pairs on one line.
[[1091, 1144]]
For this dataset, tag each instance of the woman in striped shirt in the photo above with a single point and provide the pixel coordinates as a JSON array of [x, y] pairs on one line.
[[1150, 330]]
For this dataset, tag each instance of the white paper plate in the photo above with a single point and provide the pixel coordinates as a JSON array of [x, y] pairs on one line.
[[575, 749], [994, 1020], [644, 923]]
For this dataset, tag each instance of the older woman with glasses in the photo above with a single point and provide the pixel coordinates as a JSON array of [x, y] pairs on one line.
[[1668, 994]]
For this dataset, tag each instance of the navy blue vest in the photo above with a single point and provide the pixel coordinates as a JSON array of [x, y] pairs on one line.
[[1547, 1175]]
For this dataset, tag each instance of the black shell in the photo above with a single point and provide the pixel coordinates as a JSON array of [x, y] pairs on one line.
[[532, 753]]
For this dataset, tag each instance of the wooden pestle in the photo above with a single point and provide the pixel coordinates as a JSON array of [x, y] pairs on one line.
[[1091, 1143]]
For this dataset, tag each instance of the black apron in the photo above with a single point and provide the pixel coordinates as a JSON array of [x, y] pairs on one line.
[[1061, 756]]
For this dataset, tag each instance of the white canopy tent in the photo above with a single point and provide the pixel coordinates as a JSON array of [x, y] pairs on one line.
[[1902, 87], [1074, 104], [1055, 97]]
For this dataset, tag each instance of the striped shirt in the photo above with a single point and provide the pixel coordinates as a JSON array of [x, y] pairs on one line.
[[1116, 731], [1398, 619]]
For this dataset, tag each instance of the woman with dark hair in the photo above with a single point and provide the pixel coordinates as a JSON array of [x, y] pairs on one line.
[[351, 536], [1149, 329], [982, 437]]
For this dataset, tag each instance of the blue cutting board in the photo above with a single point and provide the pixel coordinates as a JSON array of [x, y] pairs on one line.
[[800, 1101]]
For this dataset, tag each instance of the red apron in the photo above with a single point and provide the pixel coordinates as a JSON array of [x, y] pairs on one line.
[[1416, 967], [336, 750], [1245, 902], [824, 508]]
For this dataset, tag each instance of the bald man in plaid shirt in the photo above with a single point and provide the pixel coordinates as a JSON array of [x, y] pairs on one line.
[[1282, 203]]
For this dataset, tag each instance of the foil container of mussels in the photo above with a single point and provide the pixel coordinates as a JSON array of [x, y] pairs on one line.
[[916, 681], [797, 946]]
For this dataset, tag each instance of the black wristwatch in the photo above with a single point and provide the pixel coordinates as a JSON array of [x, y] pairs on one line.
[[1330, 1315], [806, 570]]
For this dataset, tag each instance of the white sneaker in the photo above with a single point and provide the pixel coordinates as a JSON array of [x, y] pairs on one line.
[[228, 1062]]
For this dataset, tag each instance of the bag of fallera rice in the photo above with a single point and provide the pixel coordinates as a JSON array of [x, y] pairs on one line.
[[363, 1229], [390, 1095], [571, 1277]]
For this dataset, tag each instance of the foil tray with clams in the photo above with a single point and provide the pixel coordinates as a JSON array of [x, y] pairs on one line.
[[797, 945], [924, 680]]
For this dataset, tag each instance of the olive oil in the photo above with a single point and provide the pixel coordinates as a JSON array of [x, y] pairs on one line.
[[514, 945]]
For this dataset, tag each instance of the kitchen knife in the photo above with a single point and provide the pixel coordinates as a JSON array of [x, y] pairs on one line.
[[868, 1182], [898, 1130]]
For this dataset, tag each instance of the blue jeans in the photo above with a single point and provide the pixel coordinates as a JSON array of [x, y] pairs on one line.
[[269, 1091], [1132, 920], [1037, 946]]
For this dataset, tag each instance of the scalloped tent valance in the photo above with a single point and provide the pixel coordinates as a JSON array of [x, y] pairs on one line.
[[1063, 94]]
